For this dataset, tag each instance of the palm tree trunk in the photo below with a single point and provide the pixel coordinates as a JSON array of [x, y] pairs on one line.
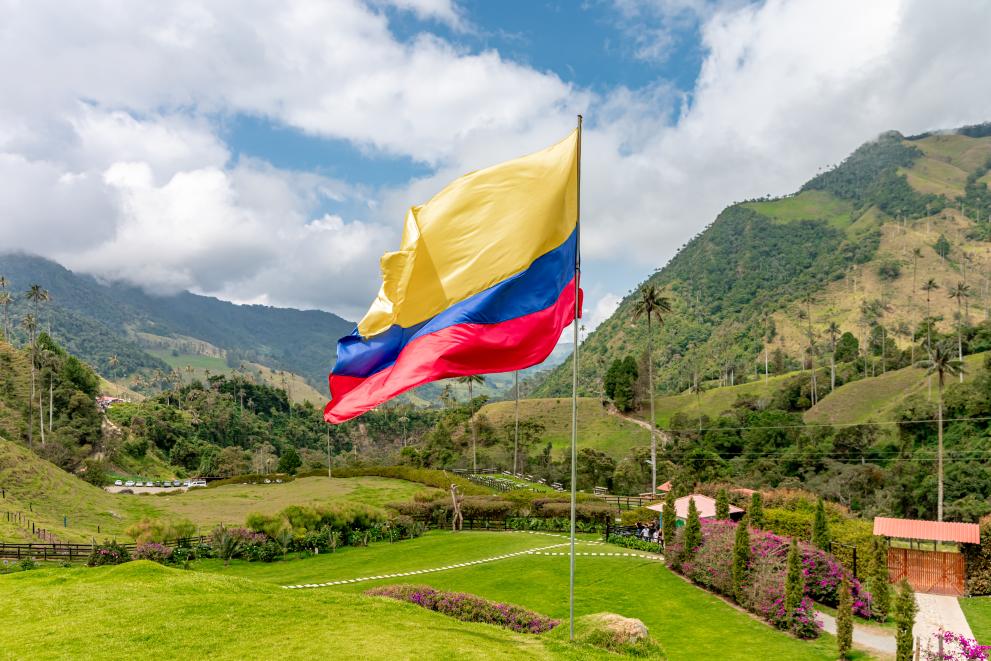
[[939, 459], [765, 364], [51, 399], [31, 407], [832, 368], [959, 338], [650, 395], [41, 415], [884, 342]]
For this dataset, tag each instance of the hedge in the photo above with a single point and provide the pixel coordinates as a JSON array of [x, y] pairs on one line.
[[845, 532], [978, 561]]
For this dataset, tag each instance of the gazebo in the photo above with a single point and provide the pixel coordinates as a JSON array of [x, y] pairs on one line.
[[934, 571]]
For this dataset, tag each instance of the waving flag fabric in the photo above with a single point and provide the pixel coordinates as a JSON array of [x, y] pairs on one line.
[[484, 282]]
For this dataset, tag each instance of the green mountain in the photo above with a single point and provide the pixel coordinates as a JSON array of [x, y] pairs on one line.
[[842, 248], [96, 320]]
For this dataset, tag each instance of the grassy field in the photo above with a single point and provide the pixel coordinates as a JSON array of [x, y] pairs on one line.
[[596, 427], [713, 402], [877, 398], [978, 612], [234, 502], [808, 205], [44, 494], [688, 622], [300, 389], [143, 609]]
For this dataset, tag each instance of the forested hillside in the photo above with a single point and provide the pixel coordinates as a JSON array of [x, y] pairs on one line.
[[852, 247], [95, 321]]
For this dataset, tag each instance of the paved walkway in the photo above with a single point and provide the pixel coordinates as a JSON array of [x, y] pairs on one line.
[[862, 636], [938, 612]]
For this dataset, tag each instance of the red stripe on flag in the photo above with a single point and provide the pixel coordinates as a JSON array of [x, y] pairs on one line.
[[455, 351]]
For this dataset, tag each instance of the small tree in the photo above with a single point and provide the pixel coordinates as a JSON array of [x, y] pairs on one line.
[[722, 505], [741, 558], [820, 527], [905, 609], [794, 580], [692, 535], [669, 519], [289, 462], [880, 585], [226, 545], [756, 513], [844, 620]]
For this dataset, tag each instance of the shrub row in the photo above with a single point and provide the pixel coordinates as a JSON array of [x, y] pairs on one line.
[[761, 589], [505, 508], [846, 532], [468, 607], [632, 542]]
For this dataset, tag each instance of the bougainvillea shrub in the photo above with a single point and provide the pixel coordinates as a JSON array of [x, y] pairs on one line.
[[468, 607]]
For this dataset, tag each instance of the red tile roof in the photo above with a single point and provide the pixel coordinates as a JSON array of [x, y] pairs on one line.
[[665, 487], [705, 505], [933, 531]]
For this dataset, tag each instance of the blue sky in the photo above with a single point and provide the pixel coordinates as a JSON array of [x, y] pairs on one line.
[[268, 152]]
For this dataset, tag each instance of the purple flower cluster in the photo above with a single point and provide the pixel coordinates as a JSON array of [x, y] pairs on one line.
[[468, 607], [956, 647], [763, 588], [153, 551]]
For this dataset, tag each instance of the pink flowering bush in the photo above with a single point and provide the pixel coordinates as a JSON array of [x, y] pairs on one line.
[[108, 553], [468, 607], [153, 551], [956, 647], [763, 588]]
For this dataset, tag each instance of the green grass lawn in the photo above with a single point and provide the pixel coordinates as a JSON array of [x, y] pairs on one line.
[[232, 503], [143, 610], [978, 612], [597, 429], [688, 622]]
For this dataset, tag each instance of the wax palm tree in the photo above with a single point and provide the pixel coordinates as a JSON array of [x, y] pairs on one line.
[[929, 288], [38, 295], [767, 326], [652, 305], [833, 331], [446, 395], [472, 379], [959, 292], [30, 324], [516, 430], [810, 349], [942, 364], [696, 389]]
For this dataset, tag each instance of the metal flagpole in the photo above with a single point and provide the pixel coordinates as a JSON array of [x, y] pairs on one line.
[[574, 387]]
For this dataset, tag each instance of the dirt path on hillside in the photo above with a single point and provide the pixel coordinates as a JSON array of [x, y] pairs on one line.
[[663, 435]]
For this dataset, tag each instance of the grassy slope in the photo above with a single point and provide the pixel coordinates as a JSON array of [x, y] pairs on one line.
[[81, 613], [233, 503], [978, 612], [596, 427], [714, 401], [44, 493], [301, 390], [877, 398], [15, 377], [688, 622], [812, 204]]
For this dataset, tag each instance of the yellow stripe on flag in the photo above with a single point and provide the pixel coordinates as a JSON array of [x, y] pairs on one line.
[[478, 231]]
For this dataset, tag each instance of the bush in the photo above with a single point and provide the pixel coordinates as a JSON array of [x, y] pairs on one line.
[[108, 553], [158, 530], [469, 608], [631, 542], [978, 561], [153, 551]]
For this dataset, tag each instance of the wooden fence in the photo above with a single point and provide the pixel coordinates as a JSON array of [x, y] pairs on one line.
[[74, 552], [934, 572]]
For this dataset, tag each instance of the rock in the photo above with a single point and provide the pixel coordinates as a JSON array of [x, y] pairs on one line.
[[620, 630]]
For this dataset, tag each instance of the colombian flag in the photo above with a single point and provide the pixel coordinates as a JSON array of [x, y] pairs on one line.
[[485, 281]]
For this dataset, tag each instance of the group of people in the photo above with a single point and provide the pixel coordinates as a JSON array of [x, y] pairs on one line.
[[649, 532]]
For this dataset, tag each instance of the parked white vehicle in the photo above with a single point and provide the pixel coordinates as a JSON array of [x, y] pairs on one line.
[[118, 483], [129, 483], [197, 483]]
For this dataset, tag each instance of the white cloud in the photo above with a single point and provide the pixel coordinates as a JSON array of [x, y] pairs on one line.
[[112, 160]]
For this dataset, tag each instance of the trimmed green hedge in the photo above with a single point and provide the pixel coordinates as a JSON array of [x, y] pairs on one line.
[[845, 532], [978, 559]]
